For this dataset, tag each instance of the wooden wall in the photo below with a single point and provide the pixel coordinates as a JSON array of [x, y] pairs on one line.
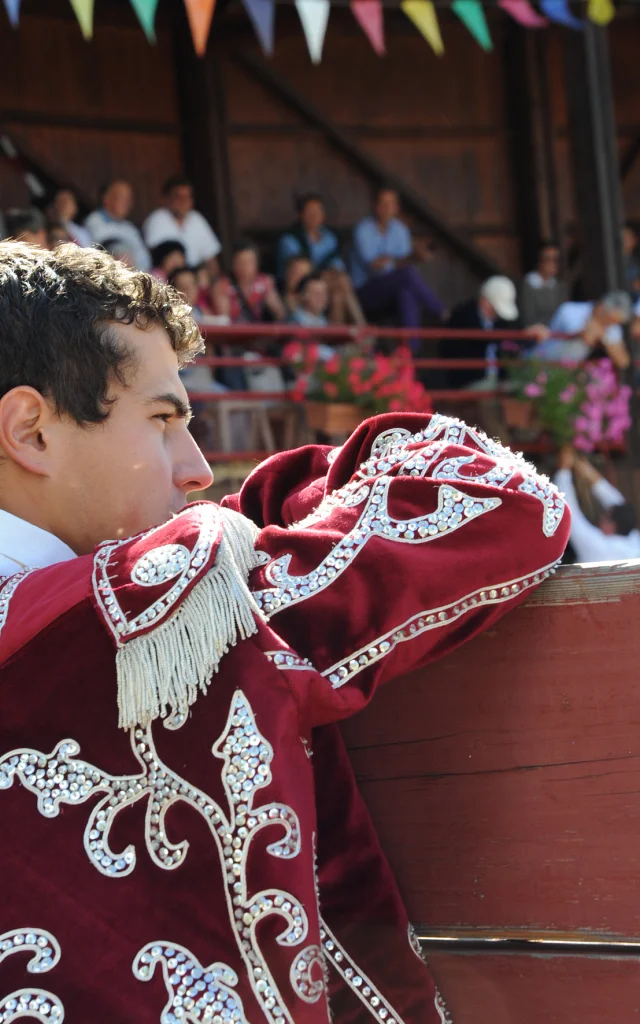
[[438, 123], [89, 111]]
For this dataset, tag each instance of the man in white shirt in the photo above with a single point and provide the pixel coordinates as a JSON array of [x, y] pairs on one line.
[[109, 222], [177, 221], [616, 537], [591, 325]]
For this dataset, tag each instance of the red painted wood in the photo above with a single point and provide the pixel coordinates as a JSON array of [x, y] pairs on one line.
[[505, 781], [494, 989]]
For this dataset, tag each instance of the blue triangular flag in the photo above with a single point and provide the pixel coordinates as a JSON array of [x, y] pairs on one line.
[[13, 11], [262, 14], [558, 10]]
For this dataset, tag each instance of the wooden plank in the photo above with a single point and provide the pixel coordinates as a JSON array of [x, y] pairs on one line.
[[490, 989], [505, 781]]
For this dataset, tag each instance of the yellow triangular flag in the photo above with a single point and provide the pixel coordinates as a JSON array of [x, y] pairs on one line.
[[84, 14], [423, 15], [600, 11]]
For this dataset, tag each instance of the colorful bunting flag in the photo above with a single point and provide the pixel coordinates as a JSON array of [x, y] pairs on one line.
[[423, 15], [522, 12], [84, 14], [146, 11], [262, 14], [314, 15], [371, 20], [471, 14], [558, 10], [601, 11], [13, 11], [200, 14]]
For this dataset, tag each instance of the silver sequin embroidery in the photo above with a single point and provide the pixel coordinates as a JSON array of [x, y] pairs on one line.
[[34, 1003]]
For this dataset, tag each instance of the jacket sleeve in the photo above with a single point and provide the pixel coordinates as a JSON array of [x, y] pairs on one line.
[[420, 533]]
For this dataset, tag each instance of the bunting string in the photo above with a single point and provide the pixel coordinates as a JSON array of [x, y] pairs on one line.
[[314, 18]]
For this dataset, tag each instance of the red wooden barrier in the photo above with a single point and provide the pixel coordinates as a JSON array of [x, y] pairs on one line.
[[505, 786]]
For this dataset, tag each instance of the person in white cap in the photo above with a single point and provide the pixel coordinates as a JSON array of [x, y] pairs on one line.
[[493, 308]]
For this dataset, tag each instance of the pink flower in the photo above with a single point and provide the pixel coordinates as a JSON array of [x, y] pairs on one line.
[[582, 444], [532, 390], [332, 365], [568, 394], [330, 389], [542, 378]]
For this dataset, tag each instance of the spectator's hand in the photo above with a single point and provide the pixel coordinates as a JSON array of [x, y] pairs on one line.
[[592, 333], [539, 332], [567, 457], [381, 263]]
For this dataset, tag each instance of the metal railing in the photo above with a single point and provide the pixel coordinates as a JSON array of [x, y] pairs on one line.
[[253, 337]]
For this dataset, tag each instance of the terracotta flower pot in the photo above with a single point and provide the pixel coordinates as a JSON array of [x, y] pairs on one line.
[[517, 413], [333, 417]]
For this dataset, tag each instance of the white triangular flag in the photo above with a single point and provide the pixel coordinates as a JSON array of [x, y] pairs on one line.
[[314, 15]]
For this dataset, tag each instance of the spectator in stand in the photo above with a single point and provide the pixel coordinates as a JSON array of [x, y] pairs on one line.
[[630, 259], [120, 251], [56, 235], [311, 238], [595, 330], [296, 269], [110, 221], [386, 282], [167, 257], [313, 300], [27, 226], [184, 280], [63, 209], [178, 220], [247, 295], [542, 290], [616, 536], [493, 308]]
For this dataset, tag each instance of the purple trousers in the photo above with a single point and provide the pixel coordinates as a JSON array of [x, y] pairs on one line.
[[400, 293]]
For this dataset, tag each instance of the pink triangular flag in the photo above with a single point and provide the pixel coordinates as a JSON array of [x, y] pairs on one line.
[[371, 20], [13, 11], [522, 12], [200, 13]]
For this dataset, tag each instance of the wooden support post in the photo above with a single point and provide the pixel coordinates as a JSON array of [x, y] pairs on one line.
[[204, 131], [595, 161]]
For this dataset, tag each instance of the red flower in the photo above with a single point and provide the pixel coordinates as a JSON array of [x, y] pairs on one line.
[[330, 389]]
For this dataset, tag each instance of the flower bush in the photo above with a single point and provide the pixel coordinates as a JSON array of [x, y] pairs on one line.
[[581, 405], [374, 383]]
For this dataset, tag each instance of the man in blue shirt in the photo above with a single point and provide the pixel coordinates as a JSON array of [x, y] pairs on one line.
[[311, 238], [386, 283]]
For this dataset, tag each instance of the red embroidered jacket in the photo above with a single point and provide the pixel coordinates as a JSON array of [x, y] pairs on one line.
[[164, 870]]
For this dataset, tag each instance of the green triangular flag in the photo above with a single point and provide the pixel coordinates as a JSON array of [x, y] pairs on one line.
[[471, 14], [146, 11]]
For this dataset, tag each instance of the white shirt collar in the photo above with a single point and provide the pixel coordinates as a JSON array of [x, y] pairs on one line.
[[24, 545]]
